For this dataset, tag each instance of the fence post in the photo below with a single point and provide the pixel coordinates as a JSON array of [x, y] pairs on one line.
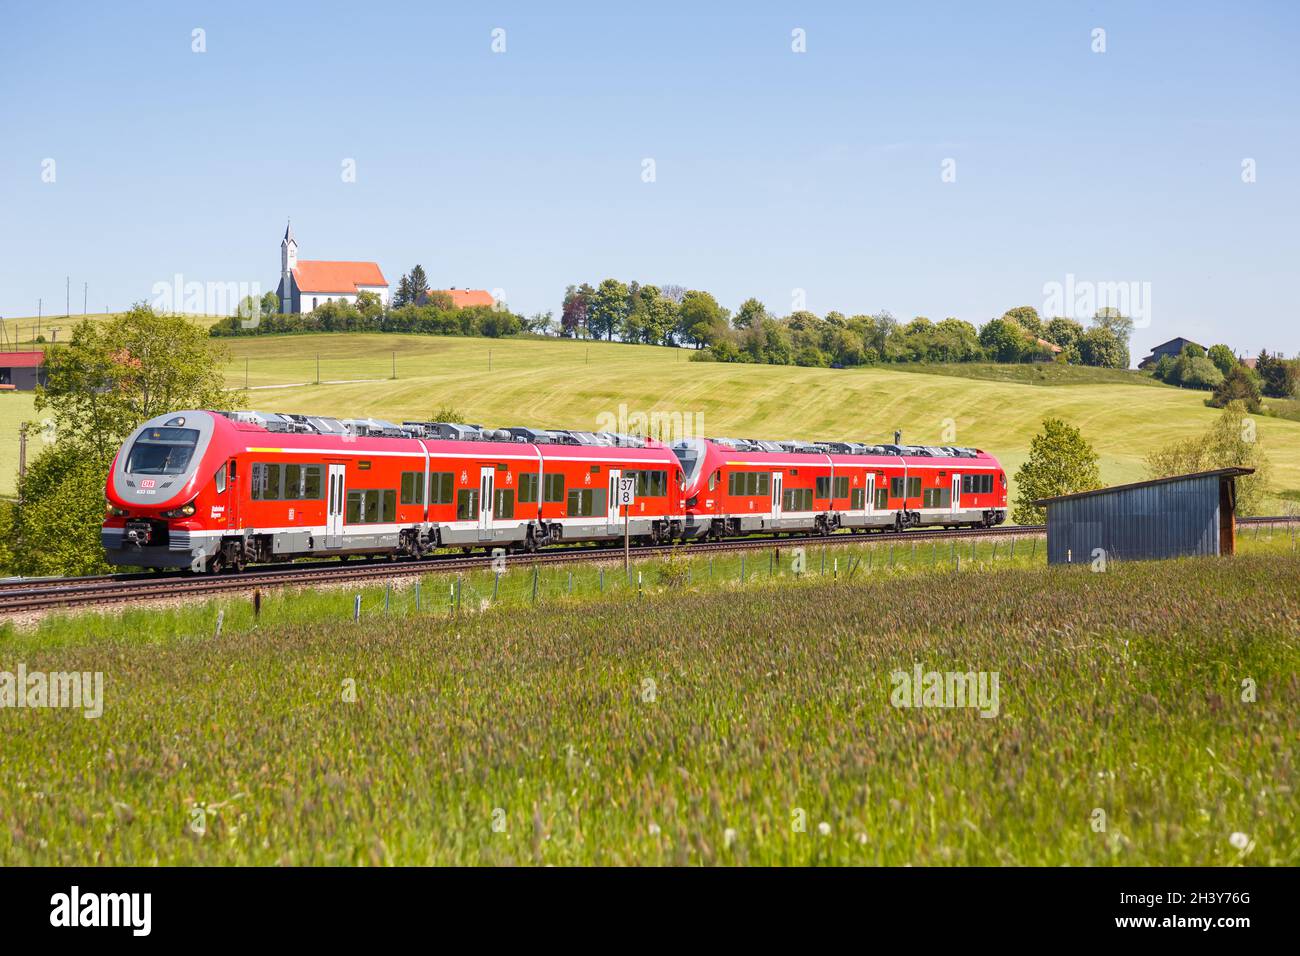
[[534, 584], [417, 595], [388, 594], [496, 586], [742, 569], [356, 608], [602, 580], [221, 616]]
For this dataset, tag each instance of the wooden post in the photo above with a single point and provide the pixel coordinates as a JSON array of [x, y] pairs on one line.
[[22, 457]]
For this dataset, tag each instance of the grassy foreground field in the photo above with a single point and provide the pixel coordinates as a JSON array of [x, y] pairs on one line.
[[693, 726], [562, 383]]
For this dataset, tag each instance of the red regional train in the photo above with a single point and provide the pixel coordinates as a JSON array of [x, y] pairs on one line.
[[212, 492]]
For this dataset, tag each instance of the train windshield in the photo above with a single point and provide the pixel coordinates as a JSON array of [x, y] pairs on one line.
[[691, 456], [162, 451]]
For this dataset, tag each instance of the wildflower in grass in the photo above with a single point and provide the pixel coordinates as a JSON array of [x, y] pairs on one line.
[[824, 828], [1239, 840], [728, 837]]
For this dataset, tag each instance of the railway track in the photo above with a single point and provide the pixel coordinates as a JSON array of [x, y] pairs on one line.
[[42, 594]]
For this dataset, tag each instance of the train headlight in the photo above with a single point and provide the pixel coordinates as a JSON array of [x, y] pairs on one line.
[[184, 511], [115, 512]]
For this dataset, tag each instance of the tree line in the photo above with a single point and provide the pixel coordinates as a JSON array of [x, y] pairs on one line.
[[1230, 379], [671, 315]]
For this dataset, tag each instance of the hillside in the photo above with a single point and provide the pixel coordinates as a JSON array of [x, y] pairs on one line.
[[563, 383]]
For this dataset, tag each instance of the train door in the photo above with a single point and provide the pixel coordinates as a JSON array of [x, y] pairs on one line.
[[956, 493], [777, 487], [334, 508], [228, 494], [487, 481], [868, 493], [613, 519]]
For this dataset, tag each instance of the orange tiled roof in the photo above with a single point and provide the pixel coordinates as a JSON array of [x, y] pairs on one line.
[[460, 298], [317, 275]]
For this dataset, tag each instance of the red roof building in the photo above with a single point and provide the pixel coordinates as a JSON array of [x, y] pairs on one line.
[[461, 298], [307, 284], [21, 371]]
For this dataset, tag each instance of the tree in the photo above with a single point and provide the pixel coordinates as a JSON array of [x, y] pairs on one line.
[[1222, 357], [573, 313], [1060, 462], [1026, 316], [418, 285], [369, 304], [403, 296], [1229, 443], [607, 308], [114, 375], [111, 377], [700, 318], [1063, 332], [1121, 326], [751, 311], [1240, 385], [1197, 371], [1004, 340], [1102, 347], [1278, 376]]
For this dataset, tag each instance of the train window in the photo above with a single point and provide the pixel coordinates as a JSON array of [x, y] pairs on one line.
[[162, 451], [313, 482], [440, 488], [595, 469], [467, 504], [292, 482], [988, 483], [220, 479], [842, 486], [882, 498], [553, 487], [412, 486], [824, 487], [713, 481], [936, 498], [269, 485], [858, 500], [764, 483], [649, 484], [356, 499], [528, 483], [798, 499], [895, 487], [579, 503], [387, 505], [504, 504]]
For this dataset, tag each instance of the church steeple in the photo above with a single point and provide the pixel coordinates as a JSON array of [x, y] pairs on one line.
[[288, 262]]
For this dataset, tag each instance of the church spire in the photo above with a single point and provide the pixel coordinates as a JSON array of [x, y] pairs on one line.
[[288, 232]]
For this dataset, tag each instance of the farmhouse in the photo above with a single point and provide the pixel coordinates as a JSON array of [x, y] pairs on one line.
[[461, 298], [307, 284], [21, 371], [1173, 348]]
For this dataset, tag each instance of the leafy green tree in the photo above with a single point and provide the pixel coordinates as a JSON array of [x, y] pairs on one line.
[[1004, 340], [403, 296], [1277, 375], [109, 378], [1102, 347], [1026, 316], [1229, 443], [114, 375], [1121, 326], [700, 318], [1239, 385], [56, 525], [1166, 370], [607, 308], [1197, 371], [751, 312], [1063, 332], [1060, 462], [369, 304], [1222, 357]]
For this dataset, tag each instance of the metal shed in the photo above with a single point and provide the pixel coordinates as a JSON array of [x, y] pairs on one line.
[[22, 371], [1161, 518]]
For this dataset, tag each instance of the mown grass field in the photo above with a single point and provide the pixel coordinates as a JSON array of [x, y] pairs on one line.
[[696, 724], [558, 383], [563, 383]]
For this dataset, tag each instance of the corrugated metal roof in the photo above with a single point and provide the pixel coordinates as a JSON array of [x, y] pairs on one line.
[[1216, 473]]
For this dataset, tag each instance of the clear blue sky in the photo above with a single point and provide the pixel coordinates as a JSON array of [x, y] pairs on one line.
[[775, 170]]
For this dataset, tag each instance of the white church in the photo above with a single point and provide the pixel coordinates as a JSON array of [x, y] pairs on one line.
[[307, 284]]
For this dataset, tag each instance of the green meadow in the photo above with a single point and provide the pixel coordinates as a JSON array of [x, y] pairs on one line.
[[1146, 715]]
